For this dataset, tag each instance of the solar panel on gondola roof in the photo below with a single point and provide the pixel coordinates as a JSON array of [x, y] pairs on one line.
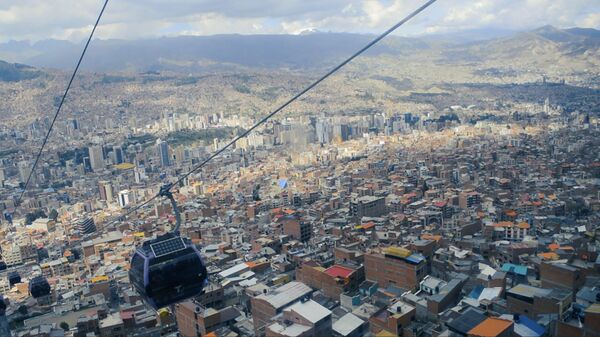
[[168, 246]]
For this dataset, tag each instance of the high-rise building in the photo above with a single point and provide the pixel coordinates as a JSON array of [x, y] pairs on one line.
[[139, 174], [162, 149], [85, 225], [117, 155], [323, 130], [24, 170], [341, 132], [96, 158], [125, 197], [106, 191], [87, 166]]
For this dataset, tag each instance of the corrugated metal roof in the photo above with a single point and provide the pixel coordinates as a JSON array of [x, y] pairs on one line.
[[469, 319], [517, 269], [290, 330], [311, 310], [286, 294], [416, 258], [347, 324], [529, 291]]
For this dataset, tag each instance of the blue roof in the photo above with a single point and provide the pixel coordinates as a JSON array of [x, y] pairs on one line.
[[283, 183], [532, 325], [517, 269], [476, 292], [416, 258]]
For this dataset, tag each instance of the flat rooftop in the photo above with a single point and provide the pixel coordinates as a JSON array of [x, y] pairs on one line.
[[529, 291], [339, 271]]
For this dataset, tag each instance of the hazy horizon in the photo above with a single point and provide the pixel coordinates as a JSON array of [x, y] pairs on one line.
[[35, 20]]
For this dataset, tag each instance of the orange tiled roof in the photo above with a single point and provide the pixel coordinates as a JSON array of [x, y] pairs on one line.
[[427, 236], [553, 246], [524, 225], [491, 327], [548, 256], [368, 225]]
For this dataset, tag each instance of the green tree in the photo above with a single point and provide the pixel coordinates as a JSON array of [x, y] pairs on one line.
[[64, 326]]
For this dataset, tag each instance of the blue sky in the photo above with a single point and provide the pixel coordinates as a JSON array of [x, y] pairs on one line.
[[71, 19]]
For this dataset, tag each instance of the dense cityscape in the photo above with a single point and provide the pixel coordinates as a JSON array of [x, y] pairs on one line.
[[466, 206]]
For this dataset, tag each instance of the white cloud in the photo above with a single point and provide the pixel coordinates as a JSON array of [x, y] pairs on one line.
[[591, 20], [516, 14], [68, 19], [214, 23]]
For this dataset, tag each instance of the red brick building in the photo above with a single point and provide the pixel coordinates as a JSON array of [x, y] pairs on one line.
[[589, 328], [395, 266], [394, 318], [295, 227], [562, 275], [195, 320], [333, 281], [532, 301]]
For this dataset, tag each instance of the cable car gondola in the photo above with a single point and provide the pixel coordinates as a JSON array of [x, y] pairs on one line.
[[39, 287], [168, 269]]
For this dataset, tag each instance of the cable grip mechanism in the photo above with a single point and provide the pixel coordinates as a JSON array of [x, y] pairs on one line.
[[165, 191]]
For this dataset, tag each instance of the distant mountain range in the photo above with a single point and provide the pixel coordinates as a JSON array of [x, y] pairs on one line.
[[309, 50], [13, 72], [544, 40]]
